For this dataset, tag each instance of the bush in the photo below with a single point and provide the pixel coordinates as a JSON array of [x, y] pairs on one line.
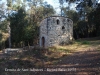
[[85, 42]]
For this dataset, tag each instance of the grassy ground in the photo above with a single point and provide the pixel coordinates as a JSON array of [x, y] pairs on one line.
[[40, 57]]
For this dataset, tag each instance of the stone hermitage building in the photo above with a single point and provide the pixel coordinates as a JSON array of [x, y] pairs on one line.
[[55, 30]]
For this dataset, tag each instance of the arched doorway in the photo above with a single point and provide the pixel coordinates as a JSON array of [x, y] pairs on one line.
[[43, 42]]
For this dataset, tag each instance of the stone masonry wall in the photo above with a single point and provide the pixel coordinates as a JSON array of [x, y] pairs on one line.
[[55, 30]]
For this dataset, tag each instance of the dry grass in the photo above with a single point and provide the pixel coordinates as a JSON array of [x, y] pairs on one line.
[[39, 57], [81, 45], [54, 54]]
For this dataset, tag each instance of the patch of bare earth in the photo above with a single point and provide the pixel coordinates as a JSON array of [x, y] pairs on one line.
[[79, 63], [85, 60], [82, 60]]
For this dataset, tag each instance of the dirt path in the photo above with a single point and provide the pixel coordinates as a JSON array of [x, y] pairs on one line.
[[79, 63], [85, 62]]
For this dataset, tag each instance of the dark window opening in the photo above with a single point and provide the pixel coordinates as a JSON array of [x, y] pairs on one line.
[[58, 22], [63, 27]]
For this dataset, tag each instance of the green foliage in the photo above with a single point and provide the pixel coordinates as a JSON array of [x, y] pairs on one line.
[[3, 26], [86, 19], [94, 21], [72, 14], [3, 33], [25, 24], [2, 11], [84, 42], [17, 24], [47, 10], [9, 3]]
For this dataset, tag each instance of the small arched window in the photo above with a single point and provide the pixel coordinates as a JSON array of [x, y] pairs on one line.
[[58, 22], [63, 27]]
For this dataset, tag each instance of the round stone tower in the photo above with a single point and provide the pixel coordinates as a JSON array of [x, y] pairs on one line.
[[55, 30]]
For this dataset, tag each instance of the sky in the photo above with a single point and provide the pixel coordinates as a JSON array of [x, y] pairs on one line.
[[55, 4]]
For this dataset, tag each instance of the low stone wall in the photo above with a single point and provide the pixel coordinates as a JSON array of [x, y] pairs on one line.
[[12, 50]]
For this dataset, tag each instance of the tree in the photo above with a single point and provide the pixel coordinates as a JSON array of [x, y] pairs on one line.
[[72, 14], [25, 23], [18, 22], [36, 15], [94, 20], [2, 13], [47, 10], [3, 26]]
